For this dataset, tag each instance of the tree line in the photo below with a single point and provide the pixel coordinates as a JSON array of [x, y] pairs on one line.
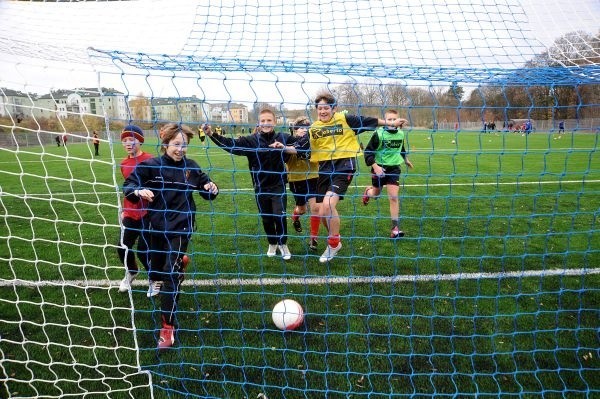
[[500, 100], [426, 103]]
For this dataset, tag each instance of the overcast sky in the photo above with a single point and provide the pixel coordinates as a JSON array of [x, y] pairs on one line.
[[44, 46]]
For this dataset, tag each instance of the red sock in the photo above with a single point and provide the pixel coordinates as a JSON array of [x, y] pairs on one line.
[[315, 223], [334, 241], [165, 323], [295, 216]]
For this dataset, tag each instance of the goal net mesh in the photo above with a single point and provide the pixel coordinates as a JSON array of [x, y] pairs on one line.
[[492, 292]]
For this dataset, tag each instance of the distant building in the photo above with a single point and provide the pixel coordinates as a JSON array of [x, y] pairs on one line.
[[187, 110], [63, 103], [228, 113], [239, 113], [15, 103], [113, 102], [115, 105]]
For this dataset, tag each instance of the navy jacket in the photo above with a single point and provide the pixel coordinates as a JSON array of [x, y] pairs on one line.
[[267, 165], [173, 183]]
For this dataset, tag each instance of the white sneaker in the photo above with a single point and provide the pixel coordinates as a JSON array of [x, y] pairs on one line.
[[154, 288], [329, 253], [285, 252], [126, 282], [272, 251]]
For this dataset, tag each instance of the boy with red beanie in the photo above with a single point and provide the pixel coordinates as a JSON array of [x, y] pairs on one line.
[[132, 215]]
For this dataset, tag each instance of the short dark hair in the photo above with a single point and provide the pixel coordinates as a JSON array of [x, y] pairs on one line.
[[301, 121], [327, 97]]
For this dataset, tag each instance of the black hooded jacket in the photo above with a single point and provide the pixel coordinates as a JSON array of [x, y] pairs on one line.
[[267, 165]]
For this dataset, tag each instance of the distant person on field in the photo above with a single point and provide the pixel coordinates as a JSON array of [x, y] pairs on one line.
[[527, 127], [334, 145], [201, 134], [96, 142], [65, 138], [385, 154], [561, 127], [303, 176], [167, 183], [266, 161], [132, 216], [57, 139]]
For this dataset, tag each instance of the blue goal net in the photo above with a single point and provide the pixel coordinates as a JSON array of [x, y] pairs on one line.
[[468, 267]]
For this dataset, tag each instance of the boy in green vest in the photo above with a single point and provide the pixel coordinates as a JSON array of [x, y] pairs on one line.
[[385, 153]]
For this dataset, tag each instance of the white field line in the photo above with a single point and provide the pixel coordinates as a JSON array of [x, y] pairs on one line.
[[272, 281]]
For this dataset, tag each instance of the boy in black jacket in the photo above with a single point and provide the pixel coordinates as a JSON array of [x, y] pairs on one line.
[[266, 160], [167, 184]]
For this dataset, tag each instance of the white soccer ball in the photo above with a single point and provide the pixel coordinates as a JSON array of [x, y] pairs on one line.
[[288, 315]]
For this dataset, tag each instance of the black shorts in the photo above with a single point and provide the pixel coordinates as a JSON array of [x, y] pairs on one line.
[[391, 177], [336, 182], [303, 190]]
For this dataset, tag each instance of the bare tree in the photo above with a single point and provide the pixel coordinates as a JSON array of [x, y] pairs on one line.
[[396, 95], [139, 108], [575, 48]]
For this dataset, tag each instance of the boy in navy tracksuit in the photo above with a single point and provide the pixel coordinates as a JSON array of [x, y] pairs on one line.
[[167, 184], [266, 160]]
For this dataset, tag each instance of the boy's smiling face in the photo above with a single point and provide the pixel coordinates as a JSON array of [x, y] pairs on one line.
[[266, 122], [390, 118], [177, 147], [325, 111]]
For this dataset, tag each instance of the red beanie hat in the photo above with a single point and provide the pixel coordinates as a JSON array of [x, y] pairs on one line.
[[133, 130]]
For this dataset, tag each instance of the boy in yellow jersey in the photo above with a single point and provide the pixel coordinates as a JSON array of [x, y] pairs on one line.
[[333, 144], [201, 134], [385, 153], [302, 178]]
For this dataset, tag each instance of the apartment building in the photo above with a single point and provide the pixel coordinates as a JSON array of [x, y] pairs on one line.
[[64, 103], [117, 106], [84, 101], [188, 110], [229, 113], [16, 103]]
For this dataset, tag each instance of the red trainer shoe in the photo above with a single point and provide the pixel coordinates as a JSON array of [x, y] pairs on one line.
[[365, 198], [167, 337]]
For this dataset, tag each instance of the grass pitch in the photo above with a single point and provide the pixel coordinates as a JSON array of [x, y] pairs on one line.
[[493, 291]]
